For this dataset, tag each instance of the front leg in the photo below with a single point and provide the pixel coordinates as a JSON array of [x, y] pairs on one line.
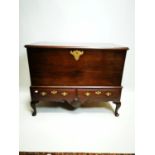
[[118, 105], [33, 105]]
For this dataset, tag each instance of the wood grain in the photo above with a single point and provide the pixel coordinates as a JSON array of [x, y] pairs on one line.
[[58, 67]]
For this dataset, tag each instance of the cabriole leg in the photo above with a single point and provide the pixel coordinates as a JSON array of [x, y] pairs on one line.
[[118, 105], [33, 105]]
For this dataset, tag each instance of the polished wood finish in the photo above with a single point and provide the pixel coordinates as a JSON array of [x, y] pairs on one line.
[[118, 105], [57, 67], [76, 45], [33, 105], [106, 94], [99, 94], [60, 153], [94, 76]]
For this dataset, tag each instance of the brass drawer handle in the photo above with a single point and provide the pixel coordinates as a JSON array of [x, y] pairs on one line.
[[87, 93], [54, 92], [108, 93], [98, 92], [64, 93], [36, 91], [76, 54], [43, 93]]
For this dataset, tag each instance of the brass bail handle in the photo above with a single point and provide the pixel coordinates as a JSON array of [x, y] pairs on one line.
[[76, 54]]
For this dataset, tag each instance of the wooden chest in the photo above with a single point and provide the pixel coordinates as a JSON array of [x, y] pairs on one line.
[[76, 73]]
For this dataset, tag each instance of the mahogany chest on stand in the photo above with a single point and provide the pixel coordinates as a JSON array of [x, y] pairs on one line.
[[76, 73]]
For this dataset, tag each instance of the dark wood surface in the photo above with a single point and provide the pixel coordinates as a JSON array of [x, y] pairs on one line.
[[58, 67], [94, 94], [76, 45], [53, 68], [60, 153]]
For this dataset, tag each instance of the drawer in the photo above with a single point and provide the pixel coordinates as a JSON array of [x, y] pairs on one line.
[[55, 94], [105, 94], [69, 94]]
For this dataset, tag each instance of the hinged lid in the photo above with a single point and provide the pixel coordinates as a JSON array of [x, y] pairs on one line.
[[76, 45]]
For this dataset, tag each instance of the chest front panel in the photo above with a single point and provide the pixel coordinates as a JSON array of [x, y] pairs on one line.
[[58, 67]]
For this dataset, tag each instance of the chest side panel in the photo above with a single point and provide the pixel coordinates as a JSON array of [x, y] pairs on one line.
[[96, 67]]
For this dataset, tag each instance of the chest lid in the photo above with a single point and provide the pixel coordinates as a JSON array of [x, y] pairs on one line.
[[76, 45]]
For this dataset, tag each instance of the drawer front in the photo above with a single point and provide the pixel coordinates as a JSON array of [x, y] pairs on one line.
[[52, 94], [109, 94], [62, 67]]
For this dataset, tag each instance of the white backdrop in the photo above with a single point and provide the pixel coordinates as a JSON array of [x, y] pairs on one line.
[[77, 21]]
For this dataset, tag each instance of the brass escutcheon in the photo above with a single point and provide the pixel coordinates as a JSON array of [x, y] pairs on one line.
[[87, 93], [54, 92], [64, 93], [98, 92], [76, 54], [108, 93], [43, 93]]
